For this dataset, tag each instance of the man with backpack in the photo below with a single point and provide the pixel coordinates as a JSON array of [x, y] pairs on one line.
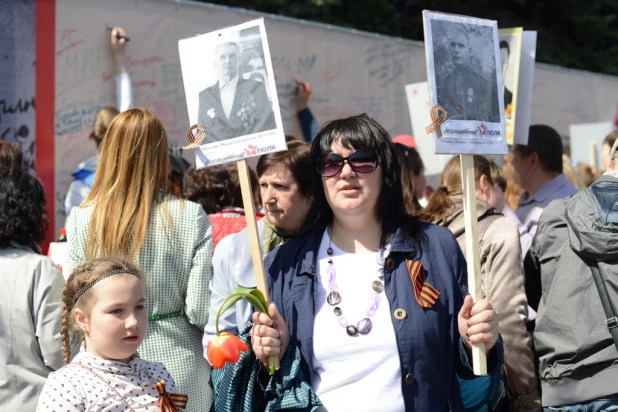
[[576, 336]]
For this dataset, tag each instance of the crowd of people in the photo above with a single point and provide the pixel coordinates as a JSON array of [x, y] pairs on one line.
[[366, 273]]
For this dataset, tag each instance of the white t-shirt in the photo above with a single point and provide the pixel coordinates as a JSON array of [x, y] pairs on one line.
[[354, 373]]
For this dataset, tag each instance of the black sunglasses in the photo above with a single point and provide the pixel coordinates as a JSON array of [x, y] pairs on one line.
[[361, 161]]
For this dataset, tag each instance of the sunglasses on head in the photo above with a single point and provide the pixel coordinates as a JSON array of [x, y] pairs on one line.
[[361, 161]]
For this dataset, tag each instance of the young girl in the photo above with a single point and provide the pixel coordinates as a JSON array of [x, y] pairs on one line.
[[104, 302]]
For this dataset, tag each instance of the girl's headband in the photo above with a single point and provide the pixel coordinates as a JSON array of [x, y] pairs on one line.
[[100, 278]]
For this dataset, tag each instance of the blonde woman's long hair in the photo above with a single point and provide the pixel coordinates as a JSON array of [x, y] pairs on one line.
[[131, 172]]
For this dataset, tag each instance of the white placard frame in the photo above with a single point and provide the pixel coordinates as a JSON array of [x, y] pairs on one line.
[[525, 87], [512, 38], [477, 126], [251, 130], [417, 95]]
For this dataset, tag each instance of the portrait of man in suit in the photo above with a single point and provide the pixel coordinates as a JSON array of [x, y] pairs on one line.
[[233, 106]]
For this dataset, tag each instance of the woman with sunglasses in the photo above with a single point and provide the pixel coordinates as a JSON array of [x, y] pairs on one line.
[[369, 308]]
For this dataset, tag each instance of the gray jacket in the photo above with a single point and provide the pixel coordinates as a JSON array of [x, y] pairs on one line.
[[30, 316], [578, 359]]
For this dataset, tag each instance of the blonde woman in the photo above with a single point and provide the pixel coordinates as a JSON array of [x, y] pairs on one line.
[[130, 213]]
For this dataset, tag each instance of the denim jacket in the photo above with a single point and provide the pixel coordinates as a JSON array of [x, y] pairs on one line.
[[430, 348]]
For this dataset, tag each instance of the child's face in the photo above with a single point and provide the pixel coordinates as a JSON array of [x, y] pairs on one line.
[[117, 322]]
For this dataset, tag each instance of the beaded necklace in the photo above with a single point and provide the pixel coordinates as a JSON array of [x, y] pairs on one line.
[[333, 298]]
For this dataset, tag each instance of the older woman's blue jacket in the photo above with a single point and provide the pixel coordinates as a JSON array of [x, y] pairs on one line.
[[430, 348]]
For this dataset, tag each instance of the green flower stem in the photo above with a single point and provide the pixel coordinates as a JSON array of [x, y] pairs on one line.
[[239, 295], [257, 304]]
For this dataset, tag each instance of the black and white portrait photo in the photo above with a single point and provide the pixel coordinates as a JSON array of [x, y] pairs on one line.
[[229, 83], [236, 104], [465, 79], [465, 71]]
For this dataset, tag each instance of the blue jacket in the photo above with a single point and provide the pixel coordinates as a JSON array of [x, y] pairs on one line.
[[430, 348]]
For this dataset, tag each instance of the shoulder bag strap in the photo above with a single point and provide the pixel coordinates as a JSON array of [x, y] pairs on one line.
[[612, 320], [485, 221]]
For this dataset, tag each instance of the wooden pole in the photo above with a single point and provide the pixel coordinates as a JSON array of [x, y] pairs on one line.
[[479, 352], [254, 237]]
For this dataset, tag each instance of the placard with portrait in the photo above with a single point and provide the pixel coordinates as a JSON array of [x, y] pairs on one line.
[[465, 80], [231, 94]]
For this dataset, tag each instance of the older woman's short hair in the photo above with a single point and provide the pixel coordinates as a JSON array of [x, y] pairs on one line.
[[297, 159], [23, 214]]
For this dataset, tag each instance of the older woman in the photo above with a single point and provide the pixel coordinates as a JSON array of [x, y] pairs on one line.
[[286, 191], [369, 306], [31, 294]]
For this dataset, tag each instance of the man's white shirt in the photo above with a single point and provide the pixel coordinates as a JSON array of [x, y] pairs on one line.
[[227, 92]]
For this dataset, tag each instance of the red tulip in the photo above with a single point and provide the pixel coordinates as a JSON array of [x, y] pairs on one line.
[[225, 348]]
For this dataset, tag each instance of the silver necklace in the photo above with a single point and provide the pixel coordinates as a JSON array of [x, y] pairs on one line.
[[365, 325]]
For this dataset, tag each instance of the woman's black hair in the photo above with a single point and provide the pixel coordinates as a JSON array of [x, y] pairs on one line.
[[410, 162], [361, 132], [23, 213]]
